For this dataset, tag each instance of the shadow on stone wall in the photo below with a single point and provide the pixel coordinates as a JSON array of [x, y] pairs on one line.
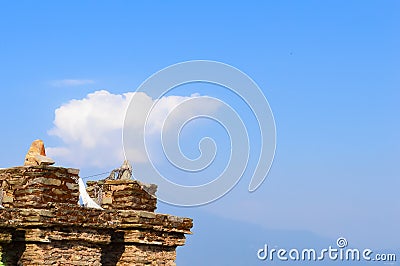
[[111, 254], [12, 252]]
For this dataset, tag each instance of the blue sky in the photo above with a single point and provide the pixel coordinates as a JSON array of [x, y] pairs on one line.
[[329, 69]]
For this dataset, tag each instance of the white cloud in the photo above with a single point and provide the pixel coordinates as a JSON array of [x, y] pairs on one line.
[[91, 128], [71, 82]]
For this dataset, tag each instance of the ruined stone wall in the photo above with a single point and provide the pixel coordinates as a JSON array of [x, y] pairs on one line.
[[123, 194], [69, 253], [35, 187], [42, 223]]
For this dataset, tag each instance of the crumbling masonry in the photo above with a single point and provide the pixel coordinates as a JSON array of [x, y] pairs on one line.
[[42, 224]]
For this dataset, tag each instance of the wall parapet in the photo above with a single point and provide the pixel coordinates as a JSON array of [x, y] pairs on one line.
[[42, 224]]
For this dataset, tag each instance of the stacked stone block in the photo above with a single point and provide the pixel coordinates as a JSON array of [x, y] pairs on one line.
[[42, 224], [123, 194]]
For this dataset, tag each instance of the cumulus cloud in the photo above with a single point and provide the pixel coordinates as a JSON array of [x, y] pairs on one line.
[[91, 128], [71, 82]]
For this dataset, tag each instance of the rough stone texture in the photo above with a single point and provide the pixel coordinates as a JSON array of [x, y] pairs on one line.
[[37, 148], [124, 172], [43, 160], [43, 225], [35, 187], [122, 195], [75, 253]]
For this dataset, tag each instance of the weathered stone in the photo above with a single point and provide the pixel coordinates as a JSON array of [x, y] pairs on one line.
[[149, 188], [36, 186], [122, 173], [59, 191], [37, 148], [27, 191], [42, 223], [72, 186], [16, 181], [73, 171], [43, 160], [7, 199], [37, 155], [149, 215], [107, 200], [122, 194]]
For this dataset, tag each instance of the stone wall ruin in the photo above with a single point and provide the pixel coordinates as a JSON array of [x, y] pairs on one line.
[[42, 224]]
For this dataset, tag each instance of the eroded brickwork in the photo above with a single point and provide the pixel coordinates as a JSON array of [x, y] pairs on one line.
[[42, 223], [122, 194]]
